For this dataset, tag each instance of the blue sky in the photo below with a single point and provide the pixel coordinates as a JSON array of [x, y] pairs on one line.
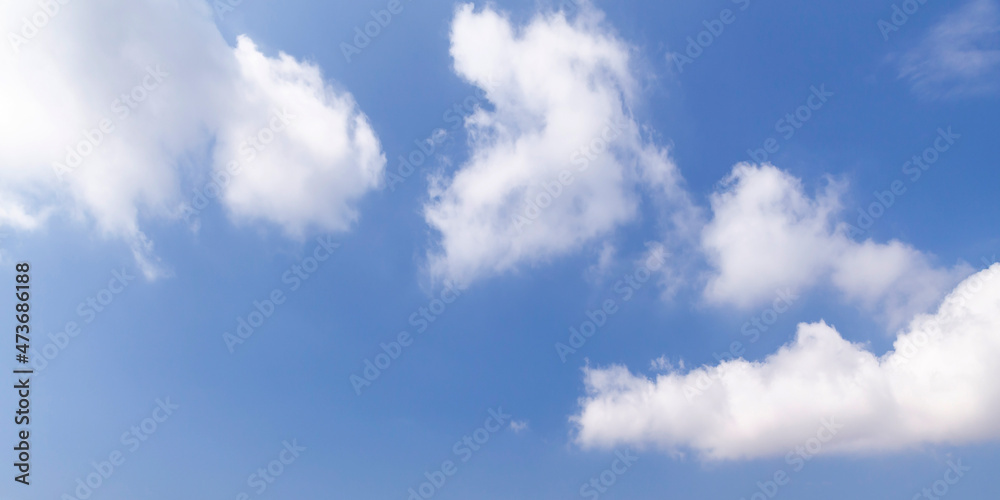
[[727, 231]]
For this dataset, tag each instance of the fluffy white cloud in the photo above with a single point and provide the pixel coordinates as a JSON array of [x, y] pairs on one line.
[[110, 108], [768, 234], [558, 160], [302, 152], [959, 55], [940, 384]]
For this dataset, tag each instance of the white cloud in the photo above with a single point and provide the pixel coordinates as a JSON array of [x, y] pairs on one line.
[[312, 158], [663, 364], [958, 56], [940, 384], [161, 81], [605, 260], [15, 215], [768, 234], [558, 160]]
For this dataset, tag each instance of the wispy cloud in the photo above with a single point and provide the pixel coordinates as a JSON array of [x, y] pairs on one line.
[[959, 56]]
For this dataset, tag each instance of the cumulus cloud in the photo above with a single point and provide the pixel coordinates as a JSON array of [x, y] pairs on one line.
[[312, 158], [767, 234], [958, 56], [113, 122], [558, 159], [939, 385]]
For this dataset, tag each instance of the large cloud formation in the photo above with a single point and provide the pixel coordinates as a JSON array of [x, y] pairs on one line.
[[939, 384], [766, 234], [116, 121], [558, 161]]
